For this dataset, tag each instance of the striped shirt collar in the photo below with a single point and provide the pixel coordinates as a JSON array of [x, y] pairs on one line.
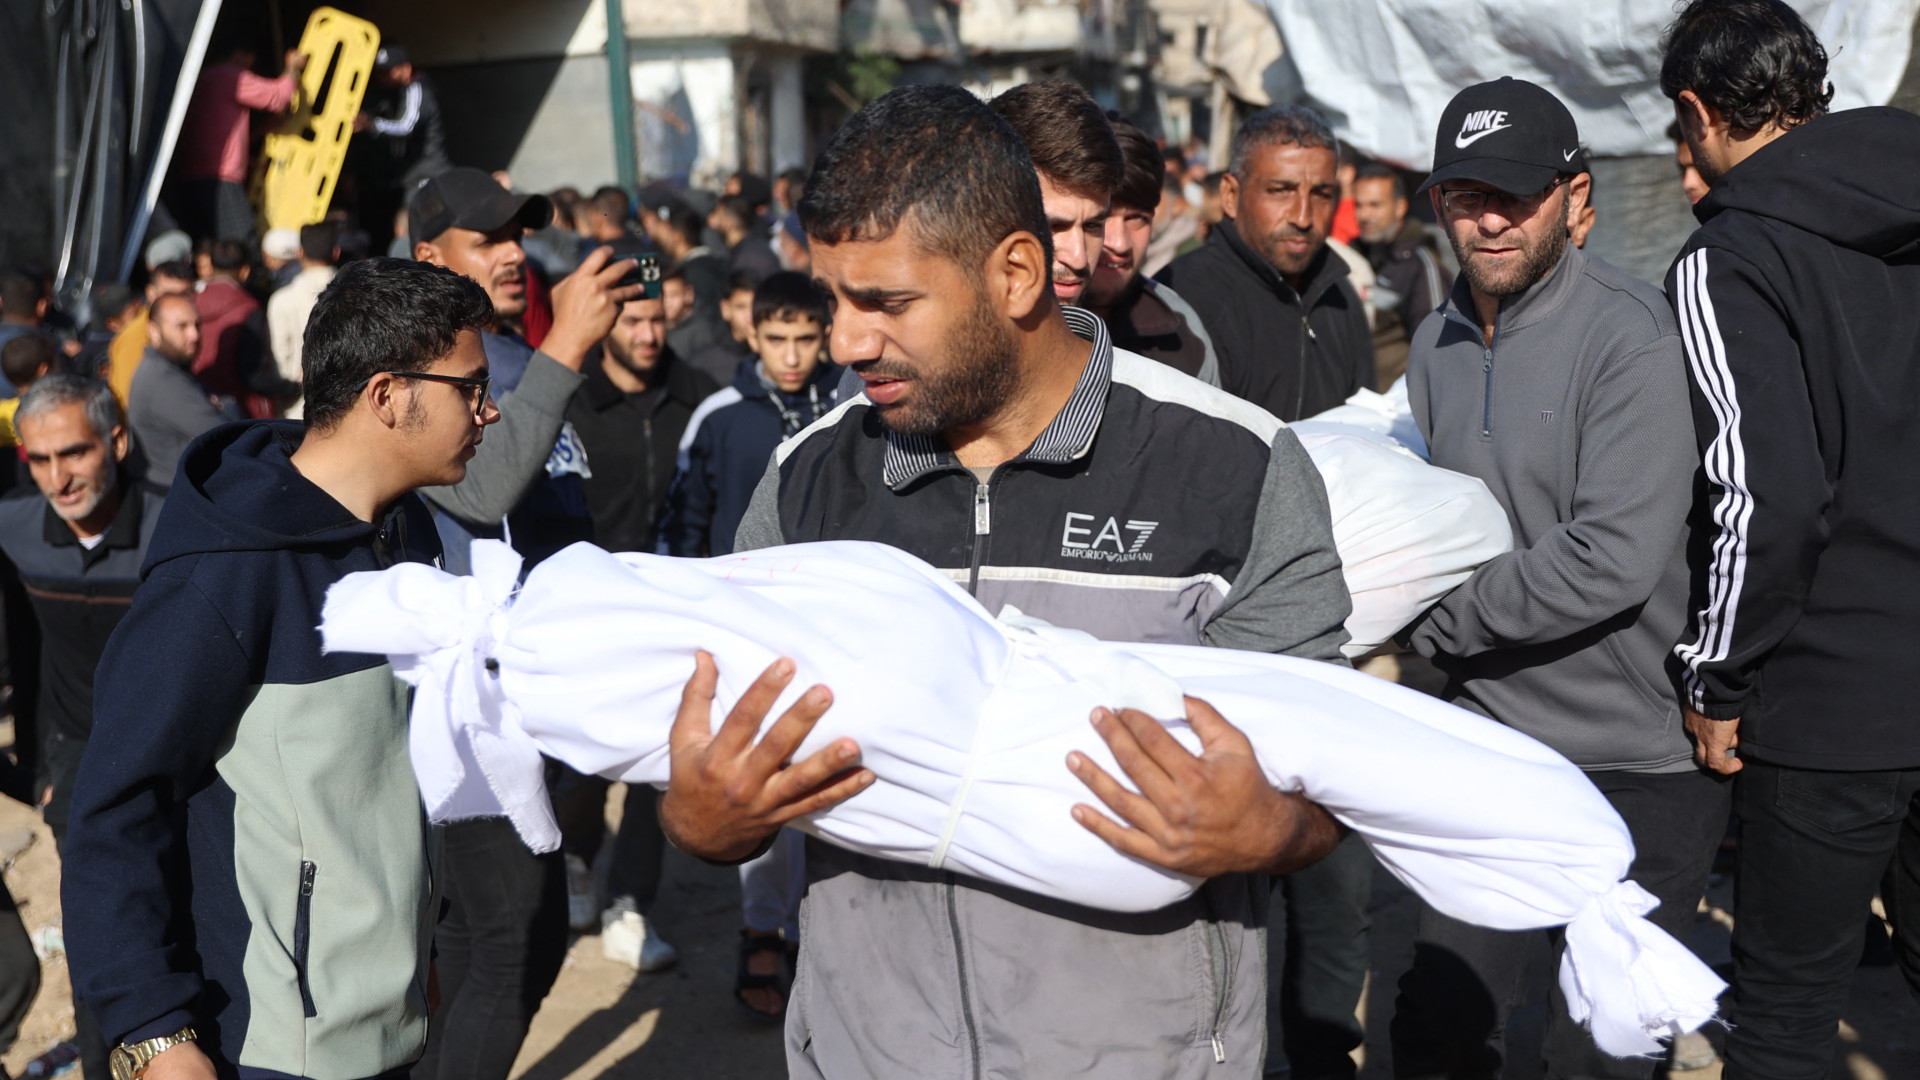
[[1069, 436]]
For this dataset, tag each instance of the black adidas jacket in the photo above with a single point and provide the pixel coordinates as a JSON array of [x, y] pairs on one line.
[[1293, 354], [1799, 303]]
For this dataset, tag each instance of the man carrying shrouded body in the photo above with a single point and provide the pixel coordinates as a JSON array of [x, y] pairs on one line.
[[1002, 438]]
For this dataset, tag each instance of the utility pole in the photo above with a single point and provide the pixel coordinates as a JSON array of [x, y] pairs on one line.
[[620, 95]]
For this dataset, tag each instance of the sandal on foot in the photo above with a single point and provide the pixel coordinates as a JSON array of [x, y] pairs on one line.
[[744, 979]]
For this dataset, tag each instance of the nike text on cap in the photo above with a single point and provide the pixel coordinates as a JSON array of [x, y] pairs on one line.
[[466, 198], [1508, 133]]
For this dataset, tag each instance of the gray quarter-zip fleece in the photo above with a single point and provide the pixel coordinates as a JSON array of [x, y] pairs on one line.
[[1577, 418]]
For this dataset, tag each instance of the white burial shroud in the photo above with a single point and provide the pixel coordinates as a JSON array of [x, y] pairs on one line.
[[967, 721]]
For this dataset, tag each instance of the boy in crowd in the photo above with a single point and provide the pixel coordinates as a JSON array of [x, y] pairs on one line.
[[733, 433], [720, 360], [723, 455]]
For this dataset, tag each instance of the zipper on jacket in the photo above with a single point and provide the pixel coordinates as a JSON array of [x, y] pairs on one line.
[[302, 936], [1217, 969], [1306, 336], [982, 528], [1486, 406], [960, 964]]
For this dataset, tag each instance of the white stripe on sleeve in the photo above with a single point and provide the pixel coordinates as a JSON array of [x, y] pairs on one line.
[[1726, 467]]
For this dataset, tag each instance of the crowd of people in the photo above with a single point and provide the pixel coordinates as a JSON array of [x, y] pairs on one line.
[[1025, 342]]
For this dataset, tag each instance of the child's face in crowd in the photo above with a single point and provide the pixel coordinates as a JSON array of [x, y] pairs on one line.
[[737, 309], [790, 349]]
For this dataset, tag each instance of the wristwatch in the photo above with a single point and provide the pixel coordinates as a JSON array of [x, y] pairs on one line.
[[129, 1060]]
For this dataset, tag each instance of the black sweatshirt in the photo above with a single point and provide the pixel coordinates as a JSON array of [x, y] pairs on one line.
[[1799, 303]]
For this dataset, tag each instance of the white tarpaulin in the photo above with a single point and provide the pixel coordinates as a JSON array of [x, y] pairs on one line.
[[1388, 67]]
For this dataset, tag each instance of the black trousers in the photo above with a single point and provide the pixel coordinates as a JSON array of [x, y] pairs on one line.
[[1451, 1015], [19, 972], [1814, 846], [87, 1037], [639, 848], [1319, 966], [498, 949]]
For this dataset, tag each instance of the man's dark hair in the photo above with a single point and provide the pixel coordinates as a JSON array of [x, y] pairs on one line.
[[737, 208], [1756, 62], [744, 281], [1297, 125], [614, 203], [109, 300], [681, 218], [1374, 170], [21, 290], [936, 153], [382, 315], [1141, 179], [796, 179], [789, 296], [21, 360], [354, 244], [176, 270], [564, 199], [1067, 135], [318, 241], [228, 256]]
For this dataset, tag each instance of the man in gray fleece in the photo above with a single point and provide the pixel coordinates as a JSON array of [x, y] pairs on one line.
[[1561, 383]]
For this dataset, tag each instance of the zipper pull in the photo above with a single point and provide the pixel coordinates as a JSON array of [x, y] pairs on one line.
[[982, 518], [1487, 359], [1311, 336], [1219, 1049], [306, 878]]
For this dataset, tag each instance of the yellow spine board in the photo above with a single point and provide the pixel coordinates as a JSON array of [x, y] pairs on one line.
[[303, 158]]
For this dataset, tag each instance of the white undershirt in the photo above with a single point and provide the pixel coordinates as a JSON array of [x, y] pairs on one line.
[[91, 542]]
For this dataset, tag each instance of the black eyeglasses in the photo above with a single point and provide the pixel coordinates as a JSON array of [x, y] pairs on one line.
[[478, 404], [1459, 202]]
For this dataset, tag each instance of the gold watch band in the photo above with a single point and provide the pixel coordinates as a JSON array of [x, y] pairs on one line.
[[129, 1060]]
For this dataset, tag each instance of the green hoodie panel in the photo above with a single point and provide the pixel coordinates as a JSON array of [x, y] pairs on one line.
[[324, 791]]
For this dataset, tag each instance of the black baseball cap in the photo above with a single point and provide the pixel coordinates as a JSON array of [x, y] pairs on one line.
[[466, 198], [1509, 133], [390, 57]]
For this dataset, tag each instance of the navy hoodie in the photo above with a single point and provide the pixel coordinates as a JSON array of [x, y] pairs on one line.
[[725, 451], [247, 852]]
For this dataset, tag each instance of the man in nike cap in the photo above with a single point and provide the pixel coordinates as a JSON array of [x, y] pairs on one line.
[[1560, 382]]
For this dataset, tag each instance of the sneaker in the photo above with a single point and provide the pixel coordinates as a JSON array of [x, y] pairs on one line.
[[628, 936], [583, 907]]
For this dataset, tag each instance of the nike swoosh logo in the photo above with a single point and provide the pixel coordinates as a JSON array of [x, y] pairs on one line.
[[1461, 142], [1569, 155]]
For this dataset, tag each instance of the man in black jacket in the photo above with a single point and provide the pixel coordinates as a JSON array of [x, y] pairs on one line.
[[1799, 303], [1290, 332], [76, 545], [629, 415], [1409, 281]]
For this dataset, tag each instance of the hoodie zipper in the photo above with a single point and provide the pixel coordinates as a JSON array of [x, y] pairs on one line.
[[303, 935]]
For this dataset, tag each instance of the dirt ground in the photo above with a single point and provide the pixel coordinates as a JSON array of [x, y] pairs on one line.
[[601, 1020]]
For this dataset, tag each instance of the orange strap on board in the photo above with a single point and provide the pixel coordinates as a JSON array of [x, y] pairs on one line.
[[303, 158]]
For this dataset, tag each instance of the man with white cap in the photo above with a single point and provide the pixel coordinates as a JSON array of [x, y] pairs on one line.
[[1560, 382]]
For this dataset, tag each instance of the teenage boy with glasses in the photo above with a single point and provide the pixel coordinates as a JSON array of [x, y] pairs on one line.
[[249, 877]]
